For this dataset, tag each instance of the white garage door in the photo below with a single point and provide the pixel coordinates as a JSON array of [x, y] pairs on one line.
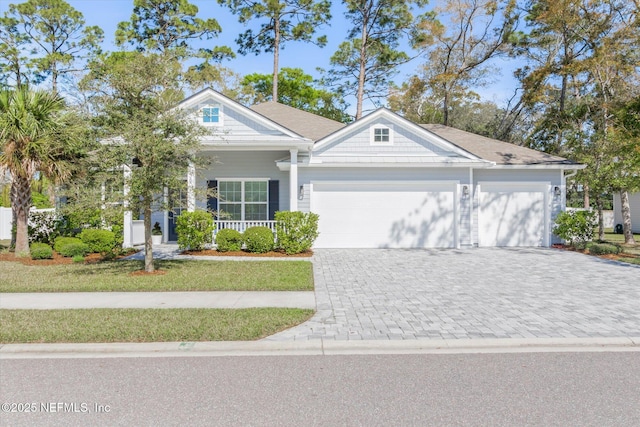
[[512, 215], [385, 215]]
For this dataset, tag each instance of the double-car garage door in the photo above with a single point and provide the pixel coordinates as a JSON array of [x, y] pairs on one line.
[[385, 214], [426, 214]]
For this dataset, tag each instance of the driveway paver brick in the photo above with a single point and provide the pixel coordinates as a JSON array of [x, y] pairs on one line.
[[392, 294]]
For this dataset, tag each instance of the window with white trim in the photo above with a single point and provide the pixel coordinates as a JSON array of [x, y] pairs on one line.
[[211, 116], [243, 200], [381, 135]]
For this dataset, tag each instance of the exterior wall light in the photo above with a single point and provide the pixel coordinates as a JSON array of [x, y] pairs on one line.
[[465, 190], [301, 192], [557, 191]]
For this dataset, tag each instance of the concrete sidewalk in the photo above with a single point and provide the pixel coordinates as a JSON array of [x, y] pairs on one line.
[[236, 299]]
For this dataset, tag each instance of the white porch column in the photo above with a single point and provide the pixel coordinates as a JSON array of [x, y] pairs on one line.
[[128, 217], [191, 188], [293, 181]]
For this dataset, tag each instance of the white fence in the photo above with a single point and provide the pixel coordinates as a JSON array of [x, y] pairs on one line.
[[241, 226], [6, 221]]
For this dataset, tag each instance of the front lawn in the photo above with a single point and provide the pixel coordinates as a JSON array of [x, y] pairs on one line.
[[179, 276], [145, 325]]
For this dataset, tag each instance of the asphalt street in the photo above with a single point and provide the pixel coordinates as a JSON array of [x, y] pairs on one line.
[[523, 389]]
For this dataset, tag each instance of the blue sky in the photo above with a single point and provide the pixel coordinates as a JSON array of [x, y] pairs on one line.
[[108, 13]]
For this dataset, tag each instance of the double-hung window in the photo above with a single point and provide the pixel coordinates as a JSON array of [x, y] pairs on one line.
[[243, 200]]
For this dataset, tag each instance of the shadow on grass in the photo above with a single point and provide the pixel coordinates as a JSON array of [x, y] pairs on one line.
[[116, 268]]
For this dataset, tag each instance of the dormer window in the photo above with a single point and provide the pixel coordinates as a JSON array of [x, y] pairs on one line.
[[381, 135], [211, 116]]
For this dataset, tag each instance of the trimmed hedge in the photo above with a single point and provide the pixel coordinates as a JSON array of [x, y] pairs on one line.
[[228, 239], [194, 229], [60, 242], [258, 239], [41, 251], [604, 249], [98, 241], [296, 231], [74, 249]]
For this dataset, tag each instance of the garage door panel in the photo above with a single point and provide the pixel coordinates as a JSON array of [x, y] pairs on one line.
[[512, 216], [375, 216]]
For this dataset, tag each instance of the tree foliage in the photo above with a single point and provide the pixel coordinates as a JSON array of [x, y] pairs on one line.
[[169, 27], [134, 95], [297, 90], [52, 35], [282, 21], [36, 135], [364, 65]]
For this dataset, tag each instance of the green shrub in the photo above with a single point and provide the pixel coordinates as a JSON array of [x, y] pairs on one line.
[[575, 227], [78, 259], [41, 251], [74, 249], [62, 241], [228, 239], [258, 239], [194, 229], [604, 249], [98, 241], [296, 231]]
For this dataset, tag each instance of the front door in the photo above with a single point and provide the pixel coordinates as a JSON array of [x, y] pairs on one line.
[[177, 203]]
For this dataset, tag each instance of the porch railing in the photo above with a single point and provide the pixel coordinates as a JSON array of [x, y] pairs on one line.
[[241, 226]]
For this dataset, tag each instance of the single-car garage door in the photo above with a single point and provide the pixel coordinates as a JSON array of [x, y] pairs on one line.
[[513, 214], [385, 214]]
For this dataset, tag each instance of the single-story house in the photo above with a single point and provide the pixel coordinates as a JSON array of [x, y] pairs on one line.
[[634, 204], [379, 182]]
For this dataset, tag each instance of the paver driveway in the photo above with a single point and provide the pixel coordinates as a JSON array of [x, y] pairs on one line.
[[469, 293]]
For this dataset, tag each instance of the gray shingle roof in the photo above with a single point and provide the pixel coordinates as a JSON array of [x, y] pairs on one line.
[[301, 122], [502, 153]]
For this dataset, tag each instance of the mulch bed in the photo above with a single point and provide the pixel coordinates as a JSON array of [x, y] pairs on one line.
[[614, 257], [57, 259], [273, 254]]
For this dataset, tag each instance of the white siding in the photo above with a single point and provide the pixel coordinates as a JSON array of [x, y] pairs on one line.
[[246, 164], [235, 122], [359, 141], [634, 202]]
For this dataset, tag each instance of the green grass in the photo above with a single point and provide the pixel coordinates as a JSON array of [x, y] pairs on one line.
[[619, 239], [145, 325], [180, 276]]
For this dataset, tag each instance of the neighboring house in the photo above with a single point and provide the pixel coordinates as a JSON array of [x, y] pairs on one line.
[[381, 181], [634, 204]]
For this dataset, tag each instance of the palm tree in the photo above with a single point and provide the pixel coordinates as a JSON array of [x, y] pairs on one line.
[[29, 124]]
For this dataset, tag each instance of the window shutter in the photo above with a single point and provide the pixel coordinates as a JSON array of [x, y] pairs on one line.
[[274, 200], [212, 202]]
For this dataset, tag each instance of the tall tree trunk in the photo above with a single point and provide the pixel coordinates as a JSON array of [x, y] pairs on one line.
[[445, 108], [21, 202], [148, 244], [600, 205], [362, 71], [626, 218], [14, 216], [276, 57], [587, 203]]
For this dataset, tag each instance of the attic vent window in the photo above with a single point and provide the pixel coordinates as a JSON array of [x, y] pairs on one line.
[[211, 116], [381, 135]]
